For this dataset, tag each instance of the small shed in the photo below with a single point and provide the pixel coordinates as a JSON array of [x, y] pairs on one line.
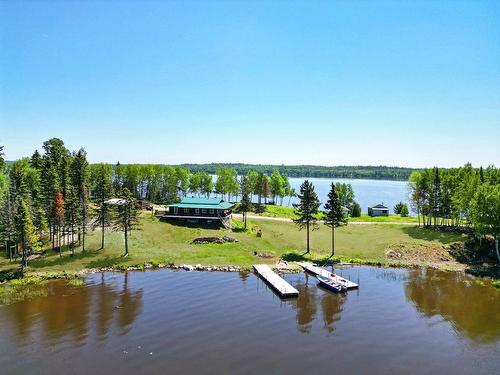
[[378, 210]]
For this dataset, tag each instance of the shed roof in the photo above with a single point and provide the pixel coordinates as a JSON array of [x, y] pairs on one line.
[[379, 206], [209, 203]]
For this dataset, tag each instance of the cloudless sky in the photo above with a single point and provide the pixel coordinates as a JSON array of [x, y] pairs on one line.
[[409, 83]]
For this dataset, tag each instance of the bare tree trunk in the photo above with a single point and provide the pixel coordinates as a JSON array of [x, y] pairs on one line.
[[102, 230], [84, 225], [126, 240], [333, 240], [496, 249], [307, 226]]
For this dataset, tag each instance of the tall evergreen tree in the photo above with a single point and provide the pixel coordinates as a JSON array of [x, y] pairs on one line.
[[334, 214], [58, 212], [102, 191], [79, 169], [36, 160], [72, 212], [2, 160], [245, 203], [307, 209], [128, 216], [24, 229]]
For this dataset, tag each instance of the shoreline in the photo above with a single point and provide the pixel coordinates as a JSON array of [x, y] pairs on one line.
[[33, 284]]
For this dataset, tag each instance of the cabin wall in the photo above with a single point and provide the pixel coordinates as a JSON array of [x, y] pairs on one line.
[[205, 212]]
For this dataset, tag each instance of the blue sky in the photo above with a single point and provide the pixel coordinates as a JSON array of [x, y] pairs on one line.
[[410, 83]]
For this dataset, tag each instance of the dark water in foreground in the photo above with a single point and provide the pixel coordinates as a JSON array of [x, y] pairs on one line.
[[400, 321]]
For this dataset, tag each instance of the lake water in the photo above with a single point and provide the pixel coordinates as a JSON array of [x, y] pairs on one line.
[[367, 192], [400, 321]]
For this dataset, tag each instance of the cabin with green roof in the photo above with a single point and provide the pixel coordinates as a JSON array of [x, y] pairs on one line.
[[193, 209]]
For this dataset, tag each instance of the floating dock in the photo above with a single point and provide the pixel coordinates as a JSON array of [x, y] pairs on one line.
[[315, 270], [281, 286]]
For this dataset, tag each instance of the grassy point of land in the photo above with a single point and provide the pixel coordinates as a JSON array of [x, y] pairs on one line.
[[288, 213]]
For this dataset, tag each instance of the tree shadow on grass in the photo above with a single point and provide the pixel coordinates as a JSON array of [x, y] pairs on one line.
[[64, 259], [108, 261], [430, 234], [304, 257]]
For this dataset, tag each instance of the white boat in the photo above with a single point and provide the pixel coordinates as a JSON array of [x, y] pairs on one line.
[[330, 284]]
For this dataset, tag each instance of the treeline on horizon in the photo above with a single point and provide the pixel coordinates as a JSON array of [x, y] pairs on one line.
[[341, 171], [356, 172]]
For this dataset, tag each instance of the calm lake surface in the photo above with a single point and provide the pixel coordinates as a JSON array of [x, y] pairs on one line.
[[367, 192], [400, 321]]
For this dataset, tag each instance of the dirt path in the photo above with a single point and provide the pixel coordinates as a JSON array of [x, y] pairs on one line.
[[287, 220]]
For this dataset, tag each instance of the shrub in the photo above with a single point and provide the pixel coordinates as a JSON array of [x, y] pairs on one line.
[[404, 211], [399, 207], [356, 210]]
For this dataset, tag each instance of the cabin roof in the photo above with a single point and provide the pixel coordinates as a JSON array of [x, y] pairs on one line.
[[379, 207], [209, 203]]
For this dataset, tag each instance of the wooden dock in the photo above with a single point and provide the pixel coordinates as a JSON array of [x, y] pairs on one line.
[[280, 286], [315, 270]]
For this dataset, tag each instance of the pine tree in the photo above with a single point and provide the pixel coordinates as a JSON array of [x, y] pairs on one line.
[[245, 203], [24, 230], [80, 182], [334, 214], [102, 191], [72, 212], [58, 212], [307, 209], [36, 160], [2, 160], [128, 216]]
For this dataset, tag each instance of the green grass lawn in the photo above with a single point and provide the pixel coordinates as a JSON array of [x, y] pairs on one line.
[[288, 212], [385, 219], [161, 242]]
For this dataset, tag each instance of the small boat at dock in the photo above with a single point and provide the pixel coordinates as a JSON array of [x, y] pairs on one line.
[[330, 284], [318, 271]]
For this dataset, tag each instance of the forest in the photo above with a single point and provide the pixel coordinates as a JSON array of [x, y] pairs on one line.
[[365, 172], [458, 198]]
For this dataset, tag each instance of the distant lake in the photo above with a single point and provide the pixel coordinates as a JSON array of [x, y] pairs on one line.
[[367, 192]]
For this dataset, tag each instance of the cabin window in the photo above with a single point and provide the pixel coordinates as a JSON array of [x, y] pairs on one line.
[[197, 211], [175, 210], [203, 210], [186, 210], [211, 211]]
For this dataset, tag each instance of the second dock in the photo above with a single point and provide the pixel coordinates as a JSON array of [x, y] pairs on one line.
[[280, 285]]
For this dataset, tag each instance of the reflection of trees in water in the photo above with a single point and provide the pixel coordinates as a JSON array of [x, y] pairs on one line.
[[308, 301], [331, 305], [67, 310], [244, 276], [105, 302], [388, 274], [130, 304], [471, 308]]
